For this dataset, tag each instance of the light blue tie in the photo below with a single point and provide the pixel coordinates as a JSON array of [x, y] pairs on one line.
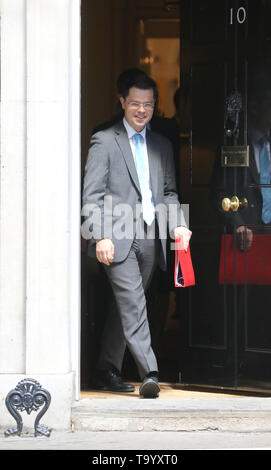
[[143, 176], [265, 179]]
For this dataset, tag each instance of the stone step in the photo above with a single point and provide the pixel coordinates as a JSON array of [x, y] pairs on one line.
[[243, 414]]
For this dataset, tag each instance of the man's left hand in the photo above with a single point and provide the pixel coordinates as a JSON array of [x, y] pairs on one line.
[[185, 233]]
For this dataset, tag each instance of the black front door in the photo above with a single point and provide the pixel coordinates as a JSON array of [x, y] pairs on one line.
[[226, 121]]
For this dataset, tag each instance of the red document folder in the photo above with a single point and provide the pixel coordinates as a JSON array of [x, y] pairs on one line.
[[245, 267], [184, 272]]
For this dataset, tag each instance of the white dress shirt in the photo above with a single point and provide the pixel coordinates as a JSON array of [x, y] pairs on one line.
[[131, 132]]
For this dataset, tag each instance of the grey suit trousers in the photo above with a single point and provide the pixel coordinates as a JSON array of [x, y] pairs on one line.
[[127, 322]]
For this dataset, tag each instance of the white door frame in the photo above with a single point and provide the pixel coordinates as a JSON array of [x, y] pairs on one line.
[[75, 188]]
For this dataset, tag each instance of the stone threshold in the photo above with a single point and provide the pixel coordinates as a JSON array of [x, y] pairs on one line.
[[176, 409]]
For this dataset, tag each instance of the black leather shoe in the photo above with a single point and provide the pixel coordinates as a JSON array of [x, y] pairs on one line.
[[110, 380], [150, 387]]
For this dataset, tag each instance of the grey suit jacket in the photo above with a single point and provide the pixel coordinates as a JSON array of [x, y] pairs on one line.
[[111, 192]]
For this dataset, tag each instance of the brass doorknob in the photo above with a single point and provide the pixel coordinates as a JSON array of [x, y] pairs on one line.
[[234, 203], [226, 204]]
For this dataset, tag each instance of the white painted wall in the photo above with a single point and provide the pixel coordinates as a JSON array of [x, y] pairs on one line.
[[40, 194], [12, 189]]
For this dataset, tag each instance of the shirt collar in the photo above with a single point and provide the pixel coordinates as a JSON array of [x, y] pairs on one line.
[[131, 132]]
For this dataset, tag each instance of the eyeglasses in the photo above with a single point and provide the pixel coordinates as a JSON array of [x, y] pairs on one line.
[[136, 105]]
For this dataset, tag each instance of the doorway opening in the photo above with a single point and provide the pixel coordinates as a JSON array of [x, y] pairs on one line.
[[116, 37], [215, 334]]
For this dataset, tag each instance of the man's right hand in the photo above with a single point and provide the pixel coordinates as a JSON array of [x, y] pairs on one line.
[[244, 238], [105, 251]]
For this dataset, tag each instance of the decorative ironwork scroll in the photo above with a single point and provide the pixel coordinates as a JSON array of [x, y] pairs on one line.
[[232, 110], [28, 395]]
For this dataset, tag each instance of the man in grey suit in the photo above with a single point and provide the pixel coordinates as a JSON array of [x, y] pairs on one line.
[[129, 197]]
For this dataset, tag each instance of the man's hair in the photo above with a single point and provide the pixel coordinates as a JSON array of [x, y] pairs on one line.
[[135, 78]]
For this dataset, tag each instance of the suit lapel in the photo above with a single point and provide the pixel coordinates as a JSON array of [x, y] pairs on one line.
[[153, 155], [124, 145], [153, 162]]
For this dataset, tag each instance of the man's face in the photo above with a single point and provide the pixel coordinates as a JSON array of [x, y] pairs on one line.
[[138, 107]]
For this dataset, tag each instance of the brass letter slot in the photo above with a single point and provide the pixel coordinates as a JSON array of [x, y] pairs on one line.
[[237, 156]]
